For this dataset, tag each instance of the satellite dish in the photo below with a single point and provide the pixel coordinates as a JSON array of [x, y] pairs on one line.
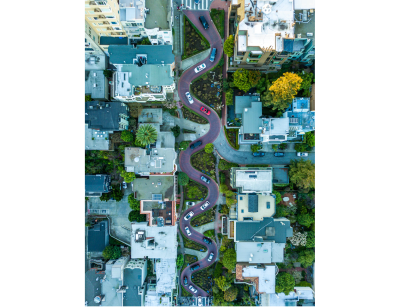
[[136, 159]]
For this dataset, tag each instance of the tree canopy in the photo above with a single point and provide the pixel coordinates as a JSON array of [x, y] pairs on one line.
[[284, 283], [176, 130], [146, 134], [209, 148], [228, 46], [222, 283], [229, 259], [225, 165], [183, 178], [310, 239], [305, 219], [231, 294], [306, 83], [302, 173], [306, 257], [117, 193], [254, 77], [184, 145], [112, 252], [105, 197], [310, 138], [127, 136], [241, 79], [229, 97], [133, 202], [179, 261], [135, 215], [255, 147]]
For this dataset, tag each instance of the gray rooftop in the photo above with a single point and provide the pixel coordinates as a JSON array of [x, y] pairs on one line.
[[105, 116], [242, 102], [157, 160], [133, 279], [259, 252], [303, 28], [299, 115], [147, 187], [109, 40], [108, 289], [250, 179], [251, 118], [151, 115], [95, 61], [158, 75], [97, 184], [155, 54], [98, 237], [130, 13], [280, 175], [159, 14], [96, 140], [92, 286], [166, 275], [268, 229], [96, 84], [266, 277]]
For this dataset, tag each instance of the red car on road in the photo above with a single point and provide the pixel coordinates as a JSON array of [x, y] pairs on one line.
[[204, 110]]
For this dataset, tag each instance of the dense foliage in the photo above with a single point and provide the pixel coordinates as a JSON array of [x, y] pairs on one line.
[[284, 283], [146, 134], [228, 46], [302, 173], [183, 178], [112, 252]]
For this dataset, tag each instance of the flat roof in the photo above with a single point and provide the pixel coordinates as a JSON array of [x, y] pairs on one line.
[[166, 275], [156, 54], [165, 237], [98, 237], [96, 84], [159, 14], [111, 40], [306, 26], [159, 160], [259, 252], [253, 180], [133, 279], [147, 187], [128, 13], [266, 277], [93, 141], [108, 287], [242, 102], [251, 118], [262, 210], [151, 115], [304, 4], [158, 75], [280, 175], [92, 286]]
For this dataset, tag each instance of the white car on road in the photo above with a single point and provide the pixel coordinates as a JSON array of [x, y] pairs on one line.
[[205, 205], [192, 289], [188, 231], [189, 215], [189, 97], [302, 154], [200, 68]]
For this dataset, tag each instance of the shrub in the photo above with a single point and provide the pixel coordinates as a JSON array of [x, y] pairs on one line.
[[105, 197], [184, 145], [310, 139], [127, 136], [284, 283], [310, 239], [231, 294], [176, 131], [228, 46], [183, 178], [300, 147], [209, 148], [229, 259], [134, 204], [112, 252], [278, 197], [136, 216], [306, 257]]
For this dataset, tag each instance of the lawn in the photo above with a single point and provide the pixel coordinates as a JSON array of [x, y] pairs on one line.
[[184, 292], [193, 116], [210, 234], [204, 162], [194, 41], [208, 88], [218, 17], [203, 279], [232, 135], [203, 218], [192, 245], [195, 191]]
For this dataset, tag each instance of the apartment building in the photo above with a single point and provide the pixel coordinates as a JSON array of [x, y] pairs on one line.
[[95, 58], [103, 17]]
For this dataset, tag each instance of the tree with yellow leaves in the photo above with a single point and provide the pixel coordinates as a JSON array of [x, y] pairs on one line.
[[282, 91]]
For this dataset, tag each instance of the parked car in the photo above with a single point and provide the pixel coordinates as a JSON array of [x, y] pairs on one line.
[[185, 281], [204, 110], [191, 288], [279, 154], [205, 179], [200, 68], [189, 215], [213, 54], [188, 231], [203, 206], [195, 267], [190, 203], [207, 240], [210, 257], [258, 154], [189, 97], [124, 185], [302, 154], [203, 22], [199, 301], [196, 144]]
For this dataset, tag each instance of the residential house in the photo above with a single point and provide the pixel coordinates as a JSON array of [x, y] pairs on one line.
[[258, 29], [107, 41], [144, 73], [96, 185], [102, 119], [251, 179], [96, 85], [93, 278], [95, 58], [299, 293], [301, 118], [134, 290], [98, 237], [261, 277]]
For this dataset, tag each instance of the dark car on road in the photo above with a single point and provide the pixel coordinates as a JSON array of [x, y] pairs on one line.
[[207, 240], [279, 154], [196, 144], [195, 267], [203, 22], [258, 154], [205, 179], [213, 54], [185, 281]]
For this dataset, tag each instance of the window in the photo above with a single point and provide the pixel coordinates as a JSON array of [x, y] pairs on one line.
[[110, 16], [241, 198], [90, 18], [242, 211], [101, 2], [114, 23], [107, 10]]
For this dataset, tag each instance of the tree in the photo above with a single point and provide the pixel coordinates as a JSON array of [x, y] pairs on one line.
[[241, 79], [128, 176], [306, 83], [310, 138], [136, 216], [300, 147], [229, 97], [176, 130], [222, 249], [179, 261], [105, 197], [184, 145], [255, 147], [146, 134], [305, 219], [225, 165], [209, 148], [302, 173], [254, 77], [225, 209], [133, 202], [306, 257], [87, 224], [127, 136], [183, 178], [230, 201], [281, 211], [229, 259], [222, 283], [284, 283], [116, 193], [108, 73], [112, 252], [144, 41], [275, 147], [228, 46], [282, 146], [282, 91], [88, 98], [310, 239], [231, 294], [278, 197], [218, 270]]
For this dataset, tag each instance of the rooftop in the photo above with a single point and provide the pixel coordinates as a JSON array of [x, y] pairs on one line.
[[280, 175], [106, 116], [166, 275], [147, 187], [160, 213], [95, 62], [259, 252], [266, 277], [156, 160], [155, 54], [242, 102], [109, 287], [255, 207], [132, 278], [111, 40], [97, 184], [151, 115], [268, 229], [98, 237], [305, 24], [96, 140], [299, 115], [153, 242], [304, 4], [92, 286], [265, 22], [159, 14], [281, 299], [95, 84], [131, 9], [275, 129], [252, 179], [251, 118]]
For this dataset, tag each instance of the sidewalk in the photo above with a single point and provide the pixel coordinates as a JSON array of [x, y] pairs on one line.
[[204, 227], [193, 60], [198, 254]]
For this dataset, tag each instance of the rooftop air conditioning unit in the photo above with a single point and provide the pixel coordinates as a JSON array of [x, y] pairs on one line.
[[94, 74], [95, 85], [310, 34]]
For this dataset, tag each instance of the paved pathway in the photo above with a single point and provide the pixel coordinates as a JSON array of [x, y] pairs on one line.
[[190, 5], [205, 227], [195, 60], [198, 254]]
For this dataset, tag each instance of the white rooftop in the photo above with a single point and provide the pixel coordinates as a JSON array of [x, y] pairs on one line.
[[261, 183], [304, 4], [96, 140], [266, 277], [264, 20], [152, 299], [160, 160], [166, 273], [165, 237], [278, 299], [259, 252]]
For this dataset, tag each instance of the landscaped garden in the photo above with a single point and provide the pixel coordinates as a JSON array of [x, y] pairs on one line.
[[193, 116], [218, 17], [204, 218], [210, 234], [232, 135], [194, 41], [192, 245], [195, 191], [204, 162], [189, 259], [203, 279]]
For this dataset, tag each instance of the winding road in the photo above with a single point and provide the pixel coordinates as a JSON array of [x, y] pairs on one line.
[[213, 37]]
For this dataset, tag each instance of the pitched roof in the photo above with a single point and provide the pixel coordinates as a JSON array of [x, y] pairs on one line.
[[98, 237], [104, 116], [155, 54]]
